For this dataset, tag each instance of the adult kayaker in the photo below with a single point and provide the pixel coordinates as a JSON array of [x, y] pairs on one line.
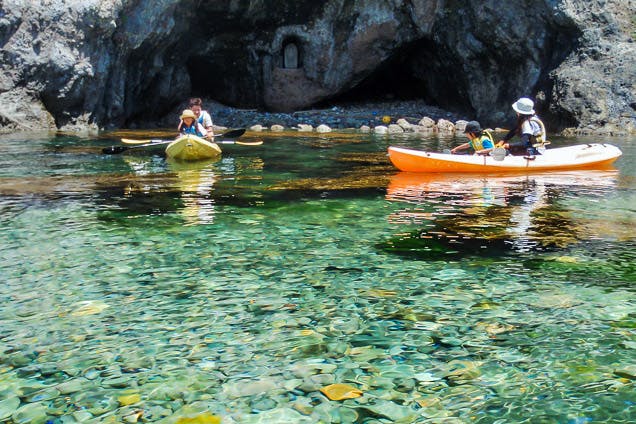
[[190, 125], [481, 143], [203, 117], [528, 127]]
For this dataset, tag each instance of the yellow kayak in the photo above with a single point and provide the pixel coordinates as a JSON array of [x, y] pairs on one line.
[[584, 156], [191, 147]]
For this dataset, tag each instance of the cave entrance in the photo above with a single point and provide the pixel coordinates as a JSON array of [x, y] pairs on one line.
[[392, 81]]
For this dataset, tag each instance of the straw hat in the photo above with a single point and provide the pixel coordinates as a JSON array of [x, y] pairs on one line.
[[524, 106], [188, 114]]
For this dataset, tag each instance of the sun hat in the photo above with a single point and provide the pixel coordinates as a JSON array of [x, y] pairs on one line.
[[188, 114], [524, 106], [472, 127]]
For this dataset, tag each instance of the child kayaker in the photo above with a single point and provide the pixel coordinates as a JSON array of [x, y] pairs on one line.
[[190, 125], [481, 143]]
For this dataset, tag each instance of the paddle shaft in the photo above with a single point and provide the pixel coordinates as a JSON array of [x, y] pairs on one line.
[[236, 133], [114, 150]]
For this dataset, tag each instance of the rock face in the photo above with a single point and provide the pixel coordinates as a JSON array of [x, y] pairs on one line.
[[115, 63]]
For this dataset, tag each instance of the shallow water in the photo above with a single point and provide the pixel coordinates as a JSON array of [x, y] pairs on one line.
[[139, 289]]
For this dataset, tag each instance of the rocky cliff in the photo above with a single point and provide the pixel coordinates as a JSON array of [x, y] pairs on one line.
[[116, 63]]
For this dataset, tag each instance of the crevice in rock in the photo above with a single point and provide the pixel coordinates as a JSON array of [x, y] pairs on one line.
[[394, 80]]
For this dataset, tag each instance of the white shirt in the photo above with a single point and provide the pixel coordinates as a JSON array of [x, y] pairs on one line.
[[530, 126], [205, 119]]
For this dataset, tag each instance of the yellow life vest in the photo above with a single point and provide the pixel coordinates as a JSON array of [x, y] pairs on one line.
[[541, 139], [478, 143]]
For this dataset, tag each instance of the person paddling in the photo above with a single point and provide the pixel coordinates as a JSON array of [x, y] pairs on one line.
[[190, 125], [481, 143], [203, 117], [528, 127]]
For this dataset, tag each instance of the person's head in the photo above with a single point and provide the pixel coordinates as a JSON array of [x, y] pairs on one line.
[[196, 105], [188, 117], [524, 107], [473, 130]]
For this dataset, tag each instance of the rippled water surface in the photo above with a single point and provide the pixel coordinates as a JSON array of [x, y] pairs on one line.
[[136, 289]]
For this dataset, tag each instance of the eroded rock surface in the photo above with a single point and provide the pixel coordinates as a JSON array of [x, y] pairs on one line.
[[115, 63]]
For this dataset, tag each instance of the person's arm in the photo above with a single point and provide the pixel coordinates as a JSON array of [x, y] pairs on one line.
[[180, 125], [460, 147], [510, 134], [207, 123], [524, 141], [202, 130]]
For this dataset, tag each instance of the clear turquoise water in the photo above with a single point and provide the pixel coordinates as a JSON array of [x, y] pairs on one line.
[[135, 288]]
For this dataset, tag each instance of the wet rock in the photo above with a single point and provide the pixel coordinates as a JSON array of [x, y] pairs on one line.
[[323, 128], [8, 406], [31, 413]]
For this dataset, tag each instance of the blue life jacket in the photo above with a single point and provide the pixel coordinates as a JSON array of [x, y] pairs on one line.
[[192, 129]]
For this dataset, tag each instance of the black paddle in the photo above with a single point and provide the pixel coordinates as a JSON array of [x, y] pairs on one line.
[[114, 150], [229, 134]]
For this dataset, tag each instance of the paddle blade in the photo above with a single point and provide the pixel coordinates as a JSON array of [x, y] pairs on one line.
[[250, 143], [234, 133], [113, 150]]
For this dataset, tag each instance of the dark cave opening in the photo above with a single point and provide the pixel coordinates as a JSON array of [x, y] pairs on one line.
[[393, 81]]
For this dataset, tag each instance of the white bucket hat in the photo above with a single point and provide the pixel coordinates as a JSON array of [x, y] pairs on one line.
[[524, 106]]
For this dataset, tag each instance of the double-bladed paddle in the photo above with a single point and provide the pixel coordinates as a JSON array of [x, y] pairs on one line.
[[114, 150], [236, 133]]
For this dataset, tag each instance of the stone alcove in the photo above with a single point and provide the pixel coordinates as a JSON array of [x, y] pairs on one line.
[[291, 54]]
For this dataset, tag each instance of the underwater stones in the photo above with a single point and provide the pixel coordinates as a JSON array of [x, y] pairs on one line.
[[341, 391], [303, 370], [315, 382], [129, 399], [243, 388], [88, 307], [74, 385], [31, 413], [627, 371], [8, 406], [46, 394], [389, 410], [27, 371], [278, 415], [97, 403], [263, 403], [459, 371]]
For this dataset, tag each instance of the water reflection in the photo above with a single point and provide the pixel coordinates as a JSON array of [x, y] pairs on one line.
[[491, 213], [195, 181]]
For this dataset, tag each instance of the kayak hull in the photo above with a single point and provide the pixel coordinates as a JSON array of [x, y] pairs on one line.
[[191, 147], [583, 156]]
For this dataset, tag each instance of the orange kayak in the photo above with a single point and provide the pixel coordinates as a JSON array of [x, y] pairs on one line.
[[582, 156]]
